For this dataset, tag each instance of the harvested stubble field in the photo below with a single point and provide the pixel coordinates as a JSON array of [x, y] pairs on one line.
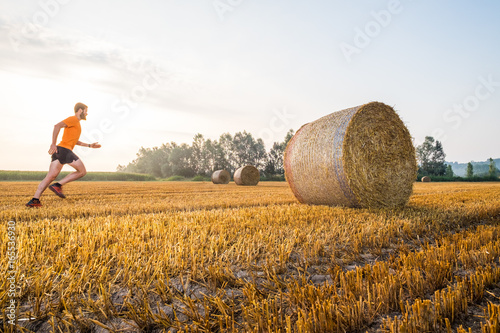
[[198, 257]]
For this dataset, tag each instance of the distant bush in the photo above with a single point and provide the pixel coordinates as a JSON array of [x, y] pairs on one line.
[[90, 176], [200, 178], [462, 179], [175, 178], [273, 178], [117, 176]]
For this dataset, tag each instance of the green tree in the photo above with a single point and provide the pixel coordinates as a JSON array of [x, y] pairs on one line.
[[212, 153], [437, 160], [247, 150], [165, 165], [431, 157], [226, 159], [493, 168], [274, 163], [289, 135], [470, 170], [180, 159], [259, 155], [275, 156], [449, 171], [150, 161], [197, 158], [424, 152]]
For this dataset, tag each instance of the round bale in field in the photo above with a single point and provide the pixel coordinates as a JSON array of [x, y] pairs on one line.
[[247, 175], [358, 157], [221, 177], [426, 179]]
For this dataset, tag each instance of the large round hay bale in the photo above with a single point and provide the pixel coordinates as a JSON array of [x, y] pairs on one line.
[[247, 175], [426, 179], [358, 157], [221, 177]]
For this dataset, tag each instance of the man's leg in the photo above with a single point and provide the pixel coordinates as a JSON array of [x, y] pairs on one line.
[[54, 170], [79, 173]]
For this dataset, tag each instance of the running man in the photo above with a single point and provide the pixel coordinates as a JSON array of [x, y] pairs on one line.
[[63, 154]]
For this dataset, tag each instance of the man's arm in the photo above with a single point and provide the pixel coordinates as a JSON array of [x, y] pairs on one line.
[[55, 134], [89, 145]]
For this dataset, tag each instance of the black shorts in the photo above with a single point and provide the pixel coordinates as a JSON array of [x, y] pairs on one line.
[[64, 155]]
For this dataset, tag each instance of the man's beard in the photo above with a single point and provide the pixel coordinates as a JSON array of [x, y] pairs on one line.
[[83, 116]]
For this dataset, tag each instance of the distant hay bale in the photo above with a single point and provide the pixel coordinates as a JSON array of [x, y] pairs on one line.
[[247, 175], [358, 157], [221, 177], [426, 179]]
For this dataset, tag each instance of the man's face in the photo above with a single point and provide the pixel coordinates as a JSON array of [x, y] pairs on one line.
[[83, 114]]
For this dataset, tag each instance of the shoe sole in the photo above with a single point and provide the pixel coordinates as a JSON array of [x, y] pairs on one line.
[[33, 206], [59, 194]]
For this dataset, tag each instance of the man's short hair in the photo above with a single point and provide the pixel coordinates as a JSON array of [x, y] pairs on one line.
[[79, 106]]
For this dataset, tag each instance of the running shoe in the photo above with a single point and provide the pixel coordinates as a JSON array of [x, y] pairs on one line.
[[34, 203], [57, 189]]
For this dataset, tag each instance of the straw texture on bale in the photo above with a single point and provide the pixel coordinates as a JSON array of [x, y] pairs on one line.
[[221, 177], [247, 175], [358, 157], [426, 179]]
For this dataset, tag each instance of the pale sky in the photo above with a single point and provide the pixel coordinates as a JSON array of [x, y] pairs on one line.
[[156, 71]]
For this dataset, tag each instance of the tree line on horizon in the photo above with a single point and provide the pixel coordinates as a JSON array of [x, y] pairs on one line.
[[204, 156], [431, 162], [229, 152]]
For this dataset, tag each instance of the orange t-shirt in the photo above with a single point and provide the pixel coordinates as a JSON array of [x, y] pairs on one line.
[[71, 133]]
